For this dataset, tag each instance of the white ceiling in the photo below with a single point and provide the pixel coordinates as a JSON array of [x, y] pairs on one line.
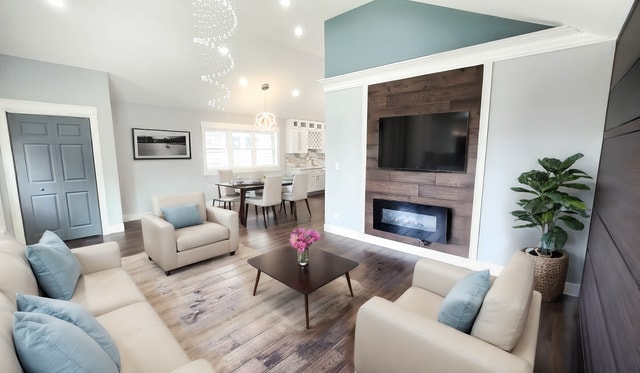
[[146, 45]]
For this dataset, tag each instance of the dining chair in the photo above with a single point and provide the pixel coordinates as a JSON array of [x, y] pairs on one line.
[[271, 197], [226, 196], [299, 191]]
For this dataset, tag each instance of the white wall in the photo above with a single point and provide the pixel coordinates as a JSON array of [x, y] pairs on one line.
[[550, 103], [141, 179], [346, 148], [546, 105]]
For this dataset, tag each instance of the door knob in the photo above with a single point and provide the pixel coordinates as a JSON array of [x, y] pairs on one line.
[[42, 189]]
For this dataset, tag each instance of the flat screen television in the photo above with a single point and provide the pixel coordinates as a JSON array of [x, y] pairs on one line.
[[427, 142]]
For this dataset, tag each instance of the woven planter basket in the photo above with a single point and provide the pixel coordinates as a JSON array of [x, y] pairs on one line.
[[550, 275]]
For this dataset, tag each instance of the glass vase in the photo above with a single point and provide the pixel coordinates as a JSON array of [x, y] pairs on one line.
[[303, 257]]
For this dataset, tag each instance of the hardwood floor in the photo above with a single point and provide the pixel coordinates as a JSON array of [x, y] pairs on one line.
[[382, 272]]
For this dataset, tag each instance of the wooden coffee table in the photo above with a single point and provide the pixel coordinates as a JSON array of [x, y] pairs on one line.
[[282, 265]]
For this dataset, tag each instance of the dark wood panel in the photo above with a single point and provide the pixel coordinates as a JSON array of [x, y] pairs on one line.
[[613, 282], [610, 292], [618, 201], [455, 90]]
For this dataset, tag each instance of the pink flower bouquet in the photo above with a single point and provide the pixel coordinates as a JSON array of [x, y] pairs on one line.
[[300, 239]]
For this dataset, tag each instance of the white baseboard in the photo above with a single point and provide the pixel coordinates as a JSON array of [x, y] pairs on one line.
[[495, 269], [117, 228]]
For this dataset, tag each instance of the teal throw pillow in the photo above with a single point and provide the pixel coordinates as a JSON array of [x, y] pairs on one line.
[[56, 268], [182, 216], [75, 314], [462, 304], [47, 344]]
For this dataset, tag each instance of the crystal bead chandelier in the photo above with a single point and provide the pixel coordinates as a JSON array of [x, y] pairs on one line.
[[266, 121], [215, 22]]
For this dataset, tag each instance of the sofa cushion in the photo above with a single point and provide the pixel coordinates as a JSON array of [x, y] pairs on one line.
[[421, 301], [505, 309], [199, 235], [461, 305], [43, 341], [144, 341], [56, 269], [75, 314], [104, 291], [182, 216], [17, 276]]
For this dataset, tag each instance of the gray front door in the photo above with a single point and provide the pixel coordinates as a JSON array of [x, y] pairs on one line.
[[56, 179]]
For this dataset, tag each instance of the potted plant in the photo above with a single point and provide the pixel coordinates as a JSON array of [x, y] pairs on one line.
[[551, 207]]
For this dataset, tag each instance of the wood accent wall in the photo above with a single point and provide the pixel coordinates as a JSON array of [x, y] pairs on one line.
[[609, 303], [454, 90]]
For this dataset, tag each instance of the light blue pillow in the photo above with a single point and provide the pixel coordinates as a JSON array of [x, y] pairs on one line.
[[47, 344], [182, 216], [73, 313], [56, 268], [462, 304]]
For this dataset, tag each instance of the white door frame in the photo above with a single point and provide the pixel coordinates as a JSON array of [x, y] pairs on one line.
[[11, 184]]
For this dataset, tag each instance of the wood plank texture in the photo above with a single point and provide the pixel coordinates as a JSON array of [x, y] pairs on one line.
[[270, 341], [610, 294], [455, 90]]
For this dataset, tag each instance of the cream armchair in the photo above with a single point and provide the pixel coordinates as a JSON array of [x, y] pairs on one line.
[[171, 248], [405, 336]]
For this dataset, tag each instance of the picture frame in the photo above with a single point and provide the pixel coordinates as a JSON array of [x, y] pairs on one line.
[[161, 144]]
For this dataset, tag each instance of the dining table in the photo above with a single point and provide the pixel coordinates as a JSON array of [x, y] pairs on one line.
[[245, 186]]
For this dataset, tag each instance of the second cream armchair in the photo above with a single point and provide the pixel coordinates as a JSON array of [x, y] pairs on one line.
[[172, 248]]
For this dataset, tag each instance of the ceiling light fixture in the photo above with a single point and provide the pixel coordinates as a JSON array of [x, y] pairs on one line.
[[295, 92], [266, 121], [215, 22], [285, 3], [298, 31]]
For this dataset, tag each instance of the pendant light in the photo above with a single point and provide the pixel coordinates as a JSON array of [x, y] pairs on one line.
[[266, 121]]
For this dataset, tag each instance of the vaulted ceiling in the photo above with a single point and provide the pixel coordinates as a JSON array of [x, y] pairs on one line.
[[147, 46]]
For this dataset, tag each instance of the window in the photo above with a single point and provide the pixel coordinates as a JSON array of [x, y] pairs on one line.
[[239, 147]]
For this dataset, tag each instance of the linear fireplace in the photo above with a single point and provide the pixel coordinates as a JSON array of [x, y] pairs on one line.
[[424, 222]]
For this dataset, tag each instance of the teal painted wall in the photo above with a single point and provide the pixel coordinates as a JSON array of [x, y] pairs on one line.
[[386, 31]]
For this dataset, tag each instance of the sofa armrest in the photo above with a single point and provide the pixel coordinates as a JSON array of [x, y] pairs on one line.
[[196, 366], [390, 338], [95, 258], [229, 219], [437, 277], [159, 239]]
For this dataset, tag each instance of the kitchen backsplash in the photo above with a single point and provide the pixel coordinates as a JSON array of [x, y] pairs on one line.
[[310, 159]]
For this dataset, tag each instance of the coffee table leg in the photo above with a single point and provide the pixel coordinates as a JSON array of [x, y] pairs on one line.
[[306, 308], [348, 283], [255, 287]]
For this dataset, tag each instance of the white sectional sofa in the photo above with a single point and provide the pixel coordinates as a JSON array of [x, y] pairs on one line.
[[105, 289]]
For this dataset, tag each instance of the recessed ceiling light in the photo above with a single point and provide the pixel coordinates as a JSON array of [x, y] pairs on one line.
[[295, 92], [285, 3], [298, 31], [243, 82], [223, 50], [56, 3]]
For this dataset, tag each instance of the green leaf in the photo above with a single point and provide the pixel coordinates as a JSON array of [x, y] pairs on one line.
[[576, 186], [572, 223], [522, 190], [554, 239]]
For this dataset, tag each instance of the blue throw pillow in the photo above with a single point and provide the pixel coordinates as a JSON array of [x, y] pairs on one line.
[[47, 344], [75, 314], [462, 304], [182, 216], [56, 268]]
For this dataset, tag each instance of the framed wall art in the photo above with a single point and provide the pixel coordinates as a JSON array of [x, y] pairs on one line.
[[161, 144]]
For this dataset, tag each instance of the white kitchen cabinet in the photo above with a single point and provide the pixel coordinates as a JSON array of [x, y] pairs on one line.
[[316, 180], [302, 135]]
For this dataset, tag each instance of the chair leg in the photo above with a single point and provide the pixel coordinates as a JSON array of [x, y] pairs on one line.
[[264, 216], [294, 207], [308, 208], [246, 211], [273, 208], [282, 204]]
